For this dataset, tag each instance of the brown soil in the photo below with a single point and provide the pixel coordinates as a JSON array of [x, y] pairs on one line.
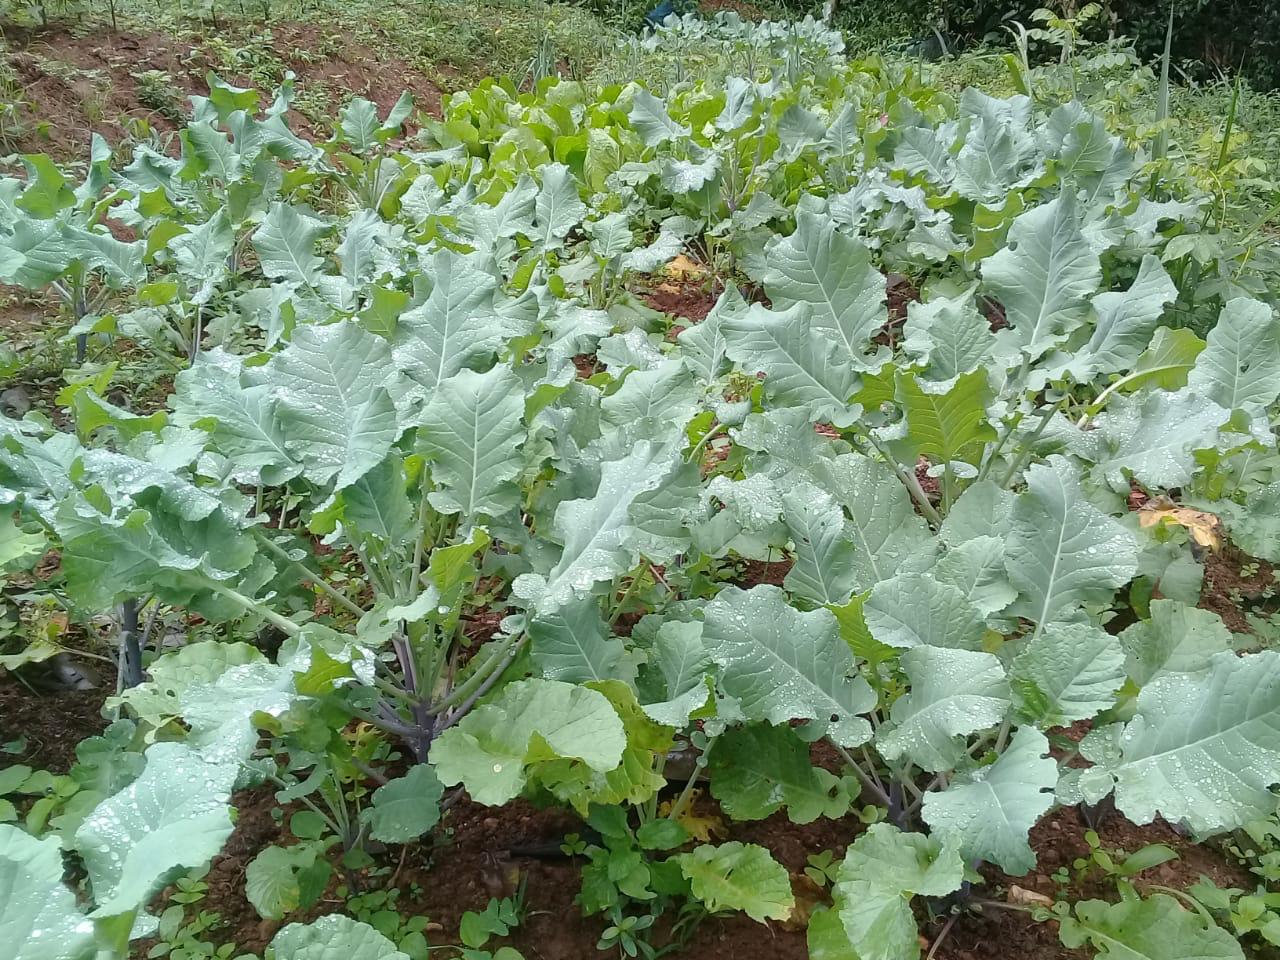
[[78, 85], [745, 10], [1229, 594], [755, 572], [900, 294], [482, 852], [994, 312], [53, 723]]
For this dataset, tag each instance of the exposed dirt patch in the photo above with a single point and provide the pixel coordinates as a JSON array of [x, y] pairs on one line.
[[746, 11], [98, 83], [255, 829], [53, 723], [690, 302], [755, 572], [994, 312], [1228, 592]]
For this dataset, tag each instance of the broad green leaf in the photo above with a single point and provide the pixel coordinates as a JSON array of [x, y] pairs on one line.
[[491, 750], [172, 817], [825, 936], [649, 118], [573, 644], [703, 345], [405, 808], [1069, 672], [681, 659], [242, 419], [273, 880], [46, 191], [1204, 748], [1255, 524], [208, 150], [882, 870], [802, 366], [602, 534], [1061, 551], [954, 693], [832, 273], [665, 395], [992, 812], [1126, 322], [1045, 276], [913, 610], [471, 432], [948, 426], [460, 324], [36, 253], [739, 876], [1154, 437], [1177, 639], [886, 528], [998, 153], [39, 919], [332, 404], [333, 937], [976, 567], [1167, 363], [1153, 928], [377, 505], [757, 770], [781, 664], [949, 334], [981, 511], [558, 208], [1240, 366], [286, 244], [201, 254], [824, 568], [107, 558]]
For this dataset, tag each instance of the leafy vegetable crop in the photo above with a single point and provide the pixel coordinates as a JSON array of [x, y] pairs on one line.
[[416, 383]]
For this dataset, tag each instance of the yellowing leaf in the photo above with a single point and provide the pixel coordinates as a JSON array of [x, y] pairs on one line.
[[1204, 528], [682, 268], [700, 828]]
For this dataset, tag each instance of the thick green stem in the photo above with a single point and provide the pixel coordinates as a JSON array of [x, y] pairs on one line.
[[682, 801], [478, 677], [310, 575], [253, 606], [1025, 453], [908, 479]]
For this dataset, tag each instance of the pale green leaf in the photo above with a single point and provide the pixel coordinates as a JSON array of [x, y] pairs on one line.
[[1240, 366], [491, 750], [757, 770], [405, 808], [954, 693], [739, 876], [333, 937], [1061, 551], [173, 817], [991, 813], [1045, 276], [782, 664], [39, 919], [471, 432], [832, 274], [1177, 639], [1068, 672], [1153, 928]]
